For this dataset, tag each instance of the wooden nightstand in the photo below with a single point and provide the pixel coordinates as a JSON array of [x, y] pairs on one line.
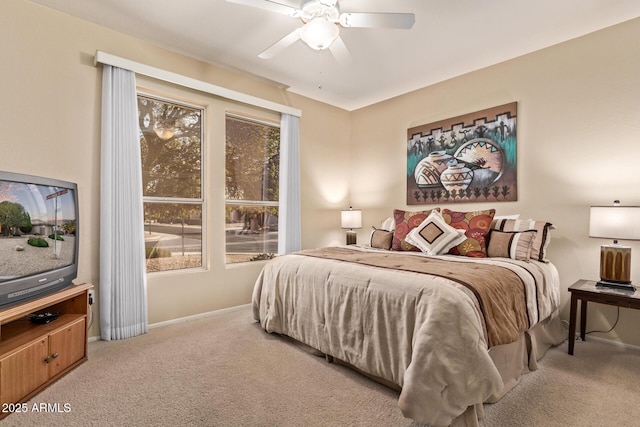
[[586, 290]]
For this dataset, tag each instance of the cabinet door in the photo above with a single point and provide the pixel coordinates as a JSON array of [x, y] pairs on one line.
[[66, 346], [23, 371]]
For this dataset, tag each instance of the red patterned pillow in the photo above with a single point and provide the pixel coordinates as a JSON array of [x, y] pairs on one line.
[[476, 227], [405, 222]]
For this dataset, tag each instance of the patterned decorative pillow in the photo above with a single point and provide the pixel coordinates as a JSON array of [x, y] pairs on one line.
[[434, 236], [543, 237], [404, 223], [511, 244], [476, 226], [381, 239]]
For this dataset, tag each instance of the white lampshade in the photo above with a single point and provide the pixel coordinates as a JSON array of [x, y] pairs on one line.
[[351, 219], [319, 33], [615, 222]]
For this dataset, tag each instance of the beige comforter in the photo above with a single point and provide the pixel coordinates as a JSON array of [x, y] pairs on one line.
[[426, 333]]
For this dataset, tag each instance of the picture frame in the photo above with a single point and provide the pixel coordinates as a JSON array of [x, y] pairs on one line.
[[464, 159]]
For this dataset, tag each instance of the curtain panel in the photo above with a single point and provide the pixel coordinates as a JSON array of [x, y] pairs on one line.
[[123, 286], [289, 223]]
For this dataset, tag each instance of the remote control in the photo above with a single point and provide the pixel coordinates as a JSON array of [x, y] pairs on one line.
[[44, 317]]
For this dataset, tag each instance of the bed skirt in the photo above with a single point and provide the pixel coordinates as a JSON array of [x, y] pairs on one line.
[[515, 359]]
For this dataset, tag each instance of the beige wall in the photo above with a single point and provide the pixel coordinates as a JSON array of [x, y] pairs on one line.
[[578, 130], [577, 117]]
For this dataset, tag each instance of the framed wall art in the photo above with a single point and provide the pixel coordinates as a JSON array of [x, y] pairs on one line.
[[464, 159]]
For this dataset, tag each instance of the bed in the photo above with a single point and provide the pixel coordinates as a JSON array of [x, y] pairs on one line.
[[451, 332]]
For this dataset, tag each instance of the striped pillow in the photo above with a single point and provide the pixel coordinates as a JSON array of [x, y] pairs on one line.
[[511, 244], [542, 239]]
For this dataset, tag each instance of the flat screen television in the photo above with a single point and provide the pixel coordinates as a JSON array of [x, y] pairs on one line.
[[38, 236]]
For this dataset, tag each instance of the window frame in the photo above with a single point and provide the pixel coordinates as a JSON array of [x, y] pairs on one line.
[[203, 199], [233, 202]]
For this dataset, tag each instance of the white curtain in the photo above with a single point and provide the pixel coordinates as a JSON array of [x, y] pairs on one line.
[[289, 224], [123, 286]]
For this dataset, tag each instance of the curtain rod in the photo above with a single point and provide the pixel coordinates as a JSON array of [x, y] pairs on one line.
[[168, 76]]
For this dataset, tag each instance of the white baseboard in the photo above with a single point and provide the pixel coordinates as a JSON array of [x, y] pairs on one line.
[[196, 316], [616, 343], [603, 340], [186, 319]]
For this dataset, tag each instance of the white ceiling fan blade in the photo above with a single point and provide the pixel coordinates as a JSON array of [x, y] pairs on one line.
[[269, 5], [281, 44], [340, 52], [378, 20]]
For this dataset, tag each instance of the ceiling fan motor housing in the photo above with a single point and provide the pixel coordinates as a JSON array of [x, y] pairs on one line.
[[312, 9]]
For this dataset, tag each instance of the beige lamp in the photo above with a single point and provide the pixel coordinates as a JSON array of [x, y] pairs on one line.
[[615, 222], [351, 219]]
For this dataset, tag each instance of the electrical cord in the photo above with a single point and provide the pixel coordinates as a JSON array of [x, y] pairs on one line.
[[597, 331], [610, 329], [90, 316]]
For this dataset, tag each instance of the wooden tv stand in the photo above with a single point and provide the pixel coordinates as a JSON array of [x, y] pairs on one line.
[[33, 356]]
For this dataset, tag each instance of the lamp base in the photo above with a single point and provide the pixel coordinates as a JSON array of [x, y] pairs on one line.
[[351, 237], [616, 285], [615, 263]]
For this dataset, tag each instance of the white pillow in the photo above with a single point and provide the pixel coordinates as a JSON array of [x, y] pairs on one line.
[[388, 224], [515, 216], [434, 236]]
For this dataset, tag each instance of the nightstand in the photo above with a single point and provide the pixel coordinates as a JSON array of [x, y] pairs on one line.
[[585, 291]]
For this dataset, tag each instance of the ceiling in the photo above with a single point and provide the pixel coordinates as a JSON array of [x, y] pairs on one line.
[[449, 38]]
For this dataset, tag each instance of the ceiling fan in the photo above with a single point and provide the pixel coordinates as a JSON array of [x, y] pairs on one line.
[[321, 19]]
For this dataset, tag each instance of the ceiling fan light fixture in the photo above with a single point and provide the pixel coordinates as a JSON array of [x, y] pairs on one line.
[[319, 33]]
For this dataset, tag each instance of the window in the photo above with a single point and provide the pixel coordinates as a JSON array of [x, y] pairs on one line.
[[251, 189], [171, 143]]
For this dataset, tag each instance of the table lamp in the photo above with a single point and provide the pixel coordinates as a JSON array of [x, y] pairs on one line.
[[351, 219], [615, 222]]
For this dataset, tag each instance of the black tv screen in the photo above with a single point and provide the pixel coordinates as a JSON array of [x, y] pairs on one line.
[[38, 236]]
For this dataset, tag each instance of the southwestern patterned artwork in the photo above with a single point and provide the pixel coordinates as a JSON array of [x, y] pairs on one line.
[[469, 158]]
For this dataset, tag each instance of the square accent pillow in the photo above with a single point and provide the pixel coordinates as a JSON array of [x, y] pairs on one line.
[[543, 237], [476, 226], [381, 239], [511, 244], [405, 222], [434, 236]]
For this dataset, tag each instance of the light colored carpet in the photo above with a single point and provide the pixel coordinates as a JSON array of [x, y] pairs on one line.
[[224, 370]]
